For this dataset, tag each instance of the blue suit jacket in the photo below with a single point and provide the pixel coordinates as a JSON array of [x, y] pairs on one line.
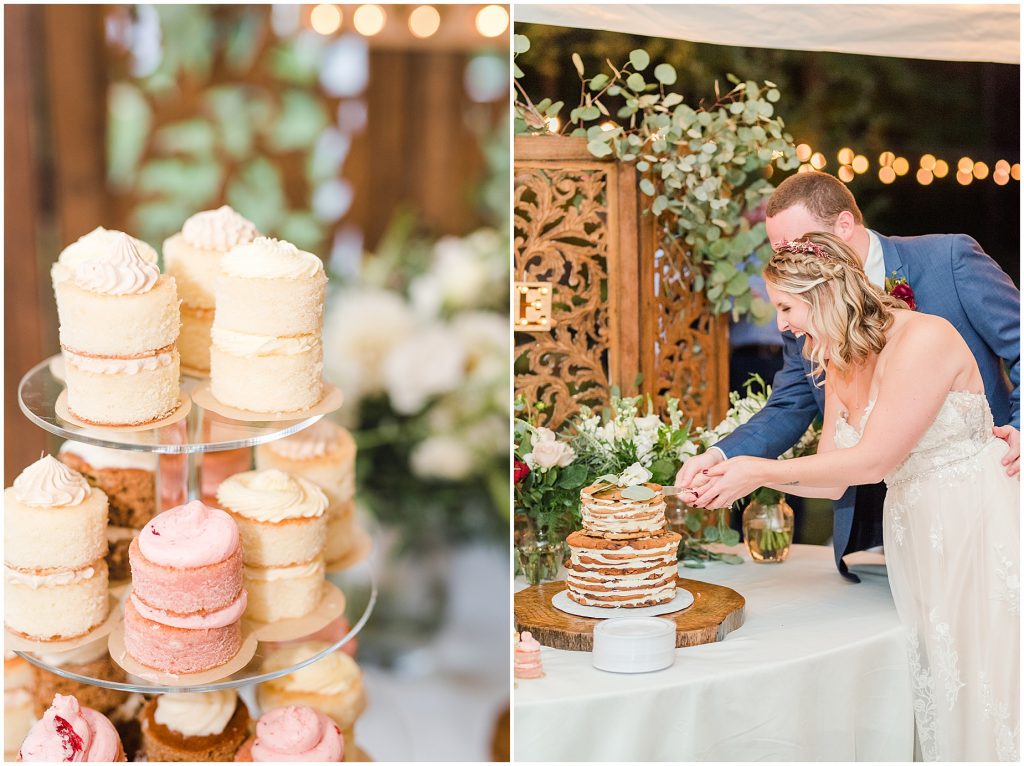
[[951, 277]]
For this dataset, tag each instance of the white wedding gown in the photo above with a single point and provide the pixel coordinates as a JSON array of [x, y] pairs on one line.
[[951, 531]]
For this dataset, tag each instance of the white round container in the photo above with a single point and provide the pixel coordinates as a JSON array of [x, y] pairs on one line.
[[634, 644]]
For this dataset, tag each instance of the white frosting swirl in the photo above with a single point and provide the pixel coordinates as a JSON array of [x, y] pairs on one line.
[[270, 574], [337, 673], [99, 242], [105, 457], [196, 714], [267, 258], [244, 344], [219, 230], [48, 482], [79, 656], [121, 271], [54, 580], [113, 365], [319, 439], [271, 496]]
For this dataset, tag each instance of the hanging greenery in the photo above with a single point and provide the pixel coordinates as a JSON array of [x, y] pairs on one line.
[[704, 168]]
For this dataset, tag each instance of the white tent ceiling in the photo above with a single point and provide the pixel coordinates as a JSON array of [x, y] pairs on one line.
[[943, 32]]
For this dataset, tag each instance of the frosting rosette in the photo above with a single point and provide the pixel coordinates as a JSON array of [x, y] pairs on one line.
[[48, 482], [120, 271], [297, 733], [195, 714], [97, 244], [268, 258], [218, 230], [271, 496], [70, 732], [191, 535], [337, 673]]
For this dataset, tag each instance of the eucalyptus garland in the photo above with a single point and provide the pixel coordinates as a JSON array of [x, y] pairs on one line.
[[704, 168]]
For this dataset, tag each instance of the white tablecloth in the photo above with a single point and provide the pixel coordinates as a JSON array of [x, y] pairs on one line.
[[817, 672]]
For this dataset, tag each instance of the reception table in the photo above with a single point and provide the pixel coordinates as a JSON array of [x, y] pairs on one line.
[[817, 672]]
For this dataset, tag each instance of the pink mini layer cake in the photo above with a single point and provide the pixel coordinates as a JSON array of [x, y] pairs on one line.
[[294, 733], [70, 732], [183, 614], [528, 663]]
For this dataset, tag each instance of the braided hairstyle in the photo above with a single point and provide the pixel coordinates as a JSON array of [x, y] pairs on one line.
[[848, 315]]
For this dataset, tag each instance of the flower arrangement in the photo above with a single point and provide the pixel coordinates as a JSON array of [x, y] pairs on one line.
[[418, 341]]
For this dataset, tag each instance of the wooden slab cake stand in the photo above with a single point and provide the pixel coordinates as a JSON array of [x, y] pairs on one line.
[[716, 611]]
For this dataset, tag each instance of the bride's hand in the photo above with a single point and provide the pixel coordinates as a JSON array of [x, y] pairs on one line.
[[1011, 436], [729, 481]]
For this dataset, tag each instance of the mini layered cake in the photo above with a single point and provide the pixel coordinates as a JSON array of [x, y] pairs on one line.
[[608, 514], [70, 732], [282, 523], [194, 727], [118, 326], [333, 685], [266, 354], [193, 258], [55, 576], [19, 707], [622, 573], [527, 657], [294, 733], [183, 614], [97, 244], [325, 454], [128, 479]]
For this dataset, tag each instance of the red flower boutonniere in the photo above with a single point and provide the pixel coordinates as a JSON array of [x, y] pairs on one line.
[[522, 470], [898, 287]]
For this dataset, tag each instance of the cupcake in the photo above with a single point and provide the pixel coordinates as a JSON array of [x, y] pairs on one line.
[[92, 661], [266, 354], [70, 732], [331, 633], [128, 479], [193, 258], [19, 704], [184, 610], [333, 685], [527, 657], [325, 454], [294, 733], [282, 524], [204, 727], [55, 576]]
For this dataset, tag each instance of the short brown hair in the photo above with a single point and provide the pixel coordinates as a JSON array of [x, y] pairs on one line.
[[824, 196]]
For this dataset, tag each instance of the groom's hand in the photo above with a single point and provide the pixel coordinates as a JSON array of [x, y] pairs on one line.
[[692, 468], [1011, 436]]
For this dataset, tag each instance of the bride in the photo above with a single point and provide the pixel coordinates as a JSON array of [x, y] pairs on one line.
[[904, 402]]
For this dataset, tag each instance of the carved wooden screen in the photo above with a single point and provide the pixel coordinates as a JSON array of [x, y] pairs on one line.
[[623, 311]]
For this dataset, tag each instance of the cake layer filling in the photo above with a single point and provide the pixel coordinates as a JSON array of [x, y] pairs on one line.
[[115, 365], [244, 344], [623, 558], [48, 578], [197, 620], [651, 599], [298, 571]]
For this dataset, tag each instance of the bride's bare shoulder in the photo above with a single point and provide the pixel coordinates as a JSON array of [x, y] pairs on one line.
[[914, 329]]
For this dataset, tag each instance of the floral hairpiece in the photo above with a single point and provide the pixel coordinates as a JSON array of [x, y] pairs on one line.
[[805, 247]]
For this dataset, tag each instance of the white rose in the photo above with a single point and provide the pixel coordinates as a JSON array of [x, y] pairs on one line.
[[543, 434], [548, 454], [461, 271], [427, 363], [648, 423], [441, 457], [635, 474]]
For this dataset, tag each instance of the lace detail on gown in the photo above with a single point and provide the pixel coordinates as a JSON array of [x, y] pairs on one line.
[[951, 525]]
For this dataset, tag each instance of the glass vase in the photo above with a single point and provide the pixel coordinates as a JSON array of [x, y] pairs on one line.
[[768, 528], [539, 559]]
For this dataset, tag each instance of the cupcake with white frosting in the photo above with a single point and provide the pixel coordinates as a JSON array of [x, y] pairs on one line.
[[55, 530], [266, 354], [325, 454], [118, 327], [282, 522], [332, 685], [198, 727], [193, 258]]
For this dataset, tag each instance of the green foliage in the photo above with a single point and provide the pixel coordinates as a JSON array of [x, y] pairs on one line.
[[703, 169]]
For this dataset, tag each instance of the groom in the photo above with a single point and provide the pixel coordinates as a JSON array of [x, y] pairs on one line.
[[945, 274]]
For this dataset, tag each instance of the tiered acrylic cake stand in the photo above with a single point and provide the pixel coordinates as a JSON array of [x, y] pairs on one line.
[[202, 431]]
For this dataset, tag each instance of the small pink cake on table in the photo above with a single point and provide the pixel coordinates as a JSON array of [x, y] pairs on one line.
[[527, 663], [70, 732], [183, 614], [294, 733]]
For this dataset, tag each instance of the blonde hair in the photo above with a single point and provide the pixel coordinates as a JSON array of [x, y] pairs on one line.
[[845, 308]]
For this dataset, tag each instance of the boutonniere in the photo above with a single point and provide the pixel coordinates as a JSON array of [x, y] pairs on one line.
[[631, 482], [898, 287]]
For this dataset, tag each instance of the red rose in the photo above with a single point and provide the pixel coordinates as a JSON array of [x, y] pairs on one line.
[[905, 293], [520, 471]]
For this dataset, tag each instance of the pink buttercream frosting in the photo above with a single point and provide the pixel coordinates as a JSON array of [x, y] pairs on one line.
[[70, 732], [196, 621], [191, 535], [297, 733], [528, 643]]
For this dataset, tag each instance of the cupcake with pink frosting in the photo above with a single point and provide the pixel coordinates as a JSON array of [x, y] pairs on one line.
[[527, 662], [70, 732], [294, 733], [184, 611]]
